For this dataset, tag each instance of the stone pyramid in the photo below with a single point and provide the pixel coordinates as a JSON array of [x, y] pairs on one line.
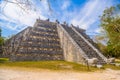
[[52, 41], [40, 42]]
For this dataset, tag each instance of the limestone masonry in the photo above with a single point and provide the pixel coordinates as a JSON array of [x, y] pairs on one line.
[[52, 41]]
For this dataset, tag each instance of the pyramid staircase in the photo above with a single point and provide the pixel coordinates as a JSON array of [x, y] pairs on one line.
[[52, 41], [85, 43], [40, 42]]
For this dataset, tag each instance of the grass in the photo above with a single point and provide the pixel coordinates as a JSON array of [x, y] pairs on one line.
[[3, 60], [111, 67], [117, 60], [51, 65]]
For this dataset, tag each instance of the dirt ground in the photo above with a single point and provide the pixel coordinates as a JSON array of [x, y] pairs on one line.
[[16, 74]]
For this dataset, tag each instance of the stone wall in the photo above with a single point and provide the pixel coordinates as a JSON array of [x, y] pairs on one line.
[[72, 52], [50, 41], [93, 47], [40, 42], [35, 57], [12, 45]]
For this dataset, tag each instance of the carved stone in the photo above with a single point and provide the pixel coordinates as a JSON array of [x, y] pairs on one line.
[[50, 41]]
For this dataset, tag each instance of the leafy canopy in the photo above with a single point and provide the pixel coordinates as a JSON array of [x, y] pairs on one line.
[[110, 22]]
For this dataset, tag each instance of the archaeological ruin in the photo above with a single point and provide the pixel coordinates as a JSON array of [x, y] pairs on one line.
[[52, 41]]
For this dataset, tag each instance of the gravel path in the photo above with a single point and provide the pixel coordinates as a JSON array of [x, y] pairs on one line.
[[16, 74]]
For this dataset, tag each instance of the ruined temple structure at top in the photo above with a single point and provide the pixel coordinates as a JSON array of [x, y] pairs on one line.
[[52, 41]]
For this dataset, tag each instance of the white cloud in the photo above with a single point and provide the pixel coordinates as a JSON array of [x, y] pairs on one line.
[[98, 30], [65, 4], [89, 13], [14, 14], [84, 16]]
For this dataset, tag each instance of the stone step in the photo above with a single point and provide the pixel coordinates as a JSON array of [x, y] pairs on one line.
[[82, 44]]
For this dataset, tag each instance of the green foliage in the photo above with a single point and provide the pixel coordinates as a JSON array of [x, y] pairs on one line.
[[1, 41], [1, 38], [103, 48], [110, 22], [3, 60]]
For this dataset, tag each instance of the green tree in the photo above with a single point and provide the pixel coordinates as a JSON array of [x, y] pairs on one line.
[[1, 42], [1, 38], [110, 22]]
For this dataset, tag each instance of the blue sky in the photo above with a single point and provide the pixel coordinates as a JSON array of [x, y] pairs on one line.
[[82, 13]]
